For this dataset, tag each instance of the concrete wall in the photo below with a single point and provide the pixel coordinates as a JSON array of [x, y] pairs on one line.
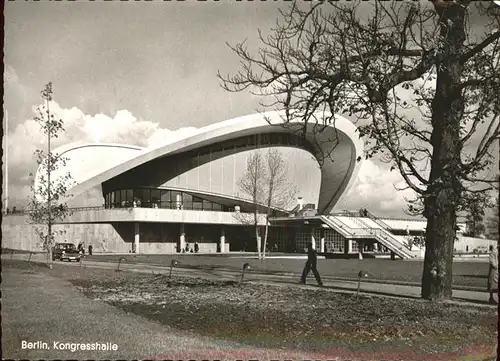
[[115, 237], [160, 215], [467, 244], [104, 237]]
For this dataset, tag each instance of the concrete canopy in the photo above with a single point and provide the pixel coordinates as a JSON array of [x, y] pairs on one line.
[[339, 163]]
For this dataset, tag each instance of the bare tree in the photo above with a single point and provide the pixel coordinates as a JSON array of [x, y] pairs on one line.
[[420, 82], [266, 182], [46, 201], [279, 192], [251, 184]]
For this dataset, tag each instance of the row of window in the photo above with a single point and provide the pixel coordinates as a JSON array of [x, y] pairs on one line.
[[159, 198], [257, 140]]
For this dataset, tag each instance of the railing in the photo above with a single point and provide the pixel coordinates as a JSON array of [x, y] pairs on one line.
[[382, 235], [341, 227], [346, 214], [358, 222], [385, 237], [75, 209], [366, 214], [124, 208], [378, 221]]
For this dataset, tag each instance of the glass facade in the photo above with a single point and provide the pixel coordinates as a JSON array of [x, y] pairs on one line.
[[355, 246], [334, 241], [160, 198], [257, 141]]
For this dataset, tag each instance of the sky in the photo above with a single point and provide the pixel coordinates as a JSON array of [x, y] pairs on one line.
[[139, 73]]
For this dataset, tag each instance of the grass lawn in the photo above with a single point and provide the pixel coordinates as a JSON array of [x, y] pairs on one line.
[[471, 274], [290, 317]]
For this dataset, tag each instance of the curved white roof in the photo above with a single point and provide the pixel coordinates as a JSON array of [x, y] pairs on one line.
[[337, 173]]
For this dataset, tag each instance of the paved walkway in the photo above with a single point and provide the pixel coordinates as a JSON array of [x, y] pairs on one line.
[[382, 289]]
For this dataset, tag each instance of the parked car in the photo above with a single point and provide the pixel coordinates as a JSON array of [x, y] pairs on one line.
[[66, 251]]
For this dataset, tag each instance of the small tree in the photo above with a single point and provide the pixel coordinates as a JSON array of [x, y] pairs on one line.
[[251, 184], [46, 201], [265, 180], [279, 191]]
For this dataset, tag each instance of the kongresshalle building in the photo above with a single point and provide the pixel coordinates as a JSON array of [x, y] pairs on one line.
[[152, 201]]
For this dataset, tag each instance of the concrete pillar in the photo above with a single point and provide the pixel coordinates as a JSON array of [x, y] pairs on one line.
[[322, 240], [222, 240], [313, 240], [137, 237], [182, 242], [361, 246], [348, 246]]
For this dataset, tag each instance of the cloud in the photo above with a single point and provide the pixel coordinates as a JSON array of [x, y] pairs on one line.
[[375, 190], [123, 128]]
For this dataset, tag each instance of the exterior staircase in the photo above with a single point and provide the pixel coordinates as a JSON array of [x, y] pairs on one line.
[[362, 230]]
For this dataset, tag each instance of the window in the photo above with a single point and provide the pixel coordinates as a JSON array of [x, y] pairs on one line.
[[165, 199], [187, 201], [197, 203], [123, 198], [176, 198], [155, 198], [217, 207], [207, 205], [130, 196], [118, 199], [142, 197]]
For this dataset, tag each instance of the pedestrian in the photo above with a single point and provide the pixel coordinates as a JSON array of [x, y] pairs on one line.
[[493, 274], [196, 247], [311, 265], [90, 250]]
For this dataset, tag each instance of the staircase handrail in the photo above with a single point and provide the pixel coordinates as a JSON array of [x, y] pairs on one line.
[[358, 223], [346, 214], [386, 236], [380, 233], [378, 221], [344, 227]]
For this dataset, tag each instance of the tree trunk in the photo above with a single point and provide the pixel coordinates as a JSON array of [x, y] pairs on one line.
[[443, 193], [257, 236], [266, 229], [49, 257]]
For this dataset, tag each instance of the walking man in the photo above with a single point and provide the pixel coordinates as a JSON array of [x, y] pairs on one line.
[[311, 265], [493, 274]]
